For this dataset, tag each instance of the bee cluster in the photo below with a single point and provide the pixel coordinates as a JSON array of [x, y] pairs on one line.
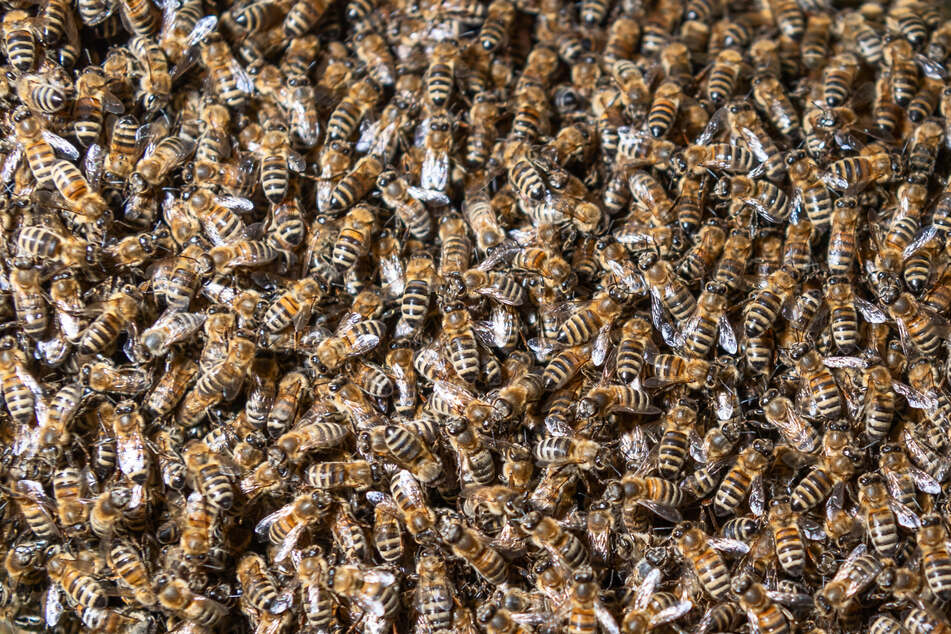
[[452, 316]]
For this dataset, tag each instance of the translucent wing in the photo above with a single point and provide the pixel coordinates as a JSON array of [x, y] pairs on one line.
[[242, 80], [10, 164], [93, 164], [796, 431], [62, 147], [844, 362], [757, 496], [296, 162], [433, 196], [724, 405], [669, 513], [924, 482], [262, 528], [905, 516], [435, 170], [671, 613], [846, 566], [931, 68], [290, 541], [812, 529], [925, 235], [915, 398], [602, 344], [870, 312], [202, 28], [53, 605], [791, 599], [646, 589], [606, 619], [727, 336], [732, 547]]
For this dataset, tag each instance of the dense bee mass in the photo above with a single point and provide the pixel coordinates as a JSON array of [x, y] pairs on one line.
[[464, 316]]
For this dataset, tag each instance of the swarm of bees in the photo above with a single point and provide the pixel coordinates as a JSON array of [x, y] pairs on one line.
[[457, 316]]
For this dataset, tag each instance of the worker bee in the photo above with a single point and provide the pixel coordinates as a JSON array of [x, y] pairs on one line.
[[935, 558], [374, 590], [854, 575], [258, 587], [173, 594], [209, 475], [407, 449], [779, 412], [745, 478], [763, 613], [700, 551]]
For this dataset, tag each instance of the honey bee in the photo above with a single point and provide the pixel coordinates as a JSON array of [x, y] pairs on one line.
[[698, 550], [854, 575], [209, 475], [228, 78], [434, 594], [79, 586], [258, 587], [133, 457], [28, 301], [744, 478], [763, 613], [472, 547], [374, 52], [407, 449], [374, 590], [19, 388], [779, 412], [935, 558], [173, 594], [317, 602]]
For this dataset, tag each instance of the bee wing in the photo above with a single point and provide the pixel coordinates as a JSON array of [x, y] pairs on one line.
[[812, 529], [846, 566], [392, 276], [905, 516], [669, 513], [290, 542], [732, 547], [10, 164], [757, 496], [605, 618], [670, 614], [932, 69], [797, 432], [433, 196], [791, 599], [724, 404], [706, 622], [645, 591], [844, 362], [924, 236], [727, 335], [915, 398], [870, 312], [264, 525], [241, 78], [672, 337], [296, 162], [493, 292], [921, 455], [713, 127], [602, 345], [435, 170], [833, 181], [131, 453], [53, 605], [93, 164], [202, 28], [924, 482], [62, 147], [235, 203]]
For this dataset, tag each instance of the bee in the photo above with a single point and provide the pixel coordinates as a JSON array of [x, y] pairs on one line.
[[18, 386], [374, 590], [283, 412], [697, 549], [407, 449], [373, 51], [744, 478], [664, 107], [152, 169], [472, 547], [317, 601], [28, 301], [764, 197], [402, 199], [257, 585], [731, 268], [733, 159], [672, 449], [826, 477], [635, 334], [763, 613], [772, 100], [174, 595], [935, 557], [434, 594], [815, 40], [292, 306], [605, 399], [410, 499], [209, 475], [128, 565], [879, 514], [797, 432], [20, 34], [387, 532], [228, 78], [766, 303], [42, 94], [241, 253], [721, 81]]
